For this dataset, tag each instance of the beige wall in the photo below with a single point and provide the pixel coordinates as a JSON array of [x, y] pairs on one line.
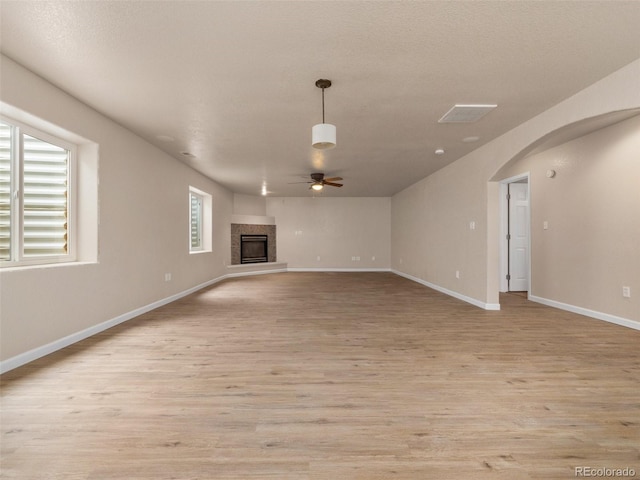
[[143, 220], [440, 207], [143, 229], [249, 205], [592, 206], [334, 229], [431, 230]]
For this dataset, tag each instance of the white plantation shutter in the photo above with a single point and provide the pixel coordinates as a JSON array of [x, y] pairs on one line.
[[196, 221], [5, 191], [45, 206], [34, 197]]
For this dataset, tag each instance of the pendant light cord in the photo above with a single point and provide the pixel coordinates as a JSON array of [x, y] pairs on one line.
[[322, 104]]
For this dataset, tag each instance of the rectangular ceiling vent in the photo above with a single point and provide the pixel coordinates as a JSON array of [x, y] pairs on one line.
[[466, 113]]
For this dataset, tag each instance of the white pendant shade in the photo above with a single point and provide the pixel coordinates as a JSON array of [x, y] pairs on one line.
[[323, 136]]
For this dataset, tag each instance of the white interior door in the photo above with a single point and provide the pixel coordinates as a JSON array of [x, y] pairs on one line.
[[518, 237]]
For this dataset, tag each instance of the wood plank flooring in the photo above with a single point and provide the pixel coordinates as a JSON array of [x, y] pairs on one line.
[[315, 376]]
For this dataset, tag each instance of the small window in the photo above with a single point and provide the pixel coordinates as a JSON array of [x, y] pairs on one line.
[[36, 198], [199, 221], [196, 222]]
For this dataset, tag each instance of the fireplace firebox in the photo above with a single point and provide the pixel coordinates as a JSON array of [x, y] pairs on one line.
[[253, 249]]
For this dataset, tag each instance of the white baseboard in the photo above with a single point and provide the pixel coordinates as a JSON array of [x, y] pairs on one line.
[[34, 354], [451, 293], [38, 352], [625, 322], [296, 269]]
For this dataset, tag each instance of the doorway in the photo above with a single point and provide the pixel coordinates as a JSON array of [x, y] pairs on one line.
[[515, 241]]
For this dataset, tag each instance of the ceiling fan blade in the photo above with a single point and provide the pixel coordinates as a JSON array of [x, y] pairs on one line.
[[293, 183], [332, 184], [332, 179]]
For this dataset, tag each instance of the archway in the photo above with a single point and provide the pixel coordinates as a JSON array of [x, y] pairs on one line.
[[497, 183]]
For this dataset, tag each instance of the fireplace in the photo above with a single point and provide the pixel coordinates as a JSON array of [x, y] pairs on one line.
[[253, 249], [238, 230]]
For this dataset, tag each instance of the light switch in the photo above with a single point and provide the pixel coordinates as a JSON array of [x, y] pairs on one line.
[[545, 225]]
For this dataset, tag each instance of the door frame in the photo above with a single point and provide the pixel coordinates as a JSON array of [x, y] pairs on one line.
[[504, 229]]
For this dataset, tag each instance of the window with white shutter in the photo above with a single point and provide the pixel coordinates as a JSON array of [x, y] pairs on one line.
[[200, 221], [45, 188], [35, 196], [5, 191], [196, 222]]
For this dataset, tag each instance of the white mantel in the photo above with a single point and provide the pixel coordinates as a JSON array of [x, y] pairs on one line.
[[253, 220]]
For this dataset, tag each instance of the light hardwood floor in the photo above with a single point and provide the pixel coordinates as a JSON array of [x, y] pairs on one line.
[[329, 376]]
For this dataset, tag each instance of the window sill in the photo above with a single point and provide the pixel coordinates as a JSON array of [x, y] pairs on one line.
[[21, 268]]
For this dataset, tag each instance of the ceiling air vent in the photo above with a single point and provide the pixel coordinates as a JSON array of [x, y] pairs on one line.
[[466, 113]]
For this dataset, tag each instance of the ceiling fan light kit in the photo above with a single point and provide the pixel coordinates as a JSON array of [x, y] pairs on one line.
[[318, 181], [323, 135]]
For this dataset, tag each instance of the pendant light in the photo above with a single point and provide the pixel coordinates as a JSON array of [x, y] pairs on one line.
[[323, 135]]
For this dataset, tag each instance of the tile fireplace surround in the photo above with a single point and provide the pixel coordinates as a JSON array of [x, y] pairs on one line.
[[238, 229]]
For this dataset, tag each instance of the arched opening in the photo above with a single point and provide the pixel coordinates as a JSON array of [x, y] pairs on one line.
[[555, 165], [566, 134]]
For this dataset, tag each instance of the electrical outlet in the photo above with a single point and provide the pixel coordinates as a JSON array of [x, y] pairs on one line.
[[318, 258], [545, 225], [626, 292], [472, 225], [457, 273], [167, 277], [373, 259]]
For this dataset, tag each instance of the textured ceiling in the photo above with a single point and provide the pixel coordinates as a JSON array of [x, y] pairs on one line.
[[234, 82]]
